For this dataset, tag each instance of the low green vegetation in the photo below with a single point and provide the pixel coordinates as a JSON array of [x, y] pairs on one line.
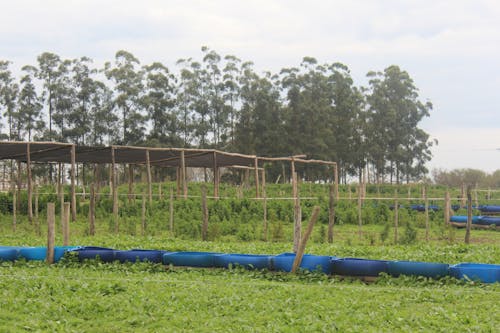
[[94, 297]]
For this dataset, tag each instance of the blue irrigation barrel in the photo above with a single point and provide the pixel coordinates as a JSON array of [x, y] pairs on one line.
[[249, 261], [358, 267], [154, 256], [489, 209], [463, 219], [489, 220], [8, 254], [93, 252], [486, 273], [191, 259], [40, 253], [417, 268], [284, 262]]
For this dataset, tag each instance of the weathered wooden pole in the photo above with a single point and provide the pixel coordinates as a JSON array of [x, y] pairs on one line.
[[469, 215], [114, 190], [130, 182], [143, 216], [14, 209], [304, 239], [171, 207], [331, 213], [475, 197], [360, 221], [204, 208], [447, 208], [183, 174], [462, 195], [30, 183], [65, 228], [216, 177], [148, 173], [264, 206], [73, 190], [19, 185], [92, 210], [51, 235], [336, 179], [37, 221], [178, 180], [296, 209], [426, 207], [396, 216], [256, 176]]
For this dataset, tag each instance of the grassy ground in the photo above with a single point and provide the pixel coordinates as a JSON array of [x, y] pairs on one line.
[[92, 297]]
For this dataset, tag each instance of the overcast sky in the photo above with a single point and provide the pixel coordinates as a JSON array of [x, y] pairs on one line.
[[450, 48]]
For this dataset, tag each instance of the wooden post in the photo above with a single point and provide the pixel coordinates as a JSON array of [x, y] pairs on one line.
[[304, 239], [462, 195], [30, 186], [475, 197], [256, 174], [204, 208], [18, 199], [183, 173], [336, 179], [426, 205], [469, 215], [114, 190], [396, 216], [37, 221], [171, 204], [447, 208], [264, 205], [148, 171], [331, 213], [73, 190], [130, 183], [216, 177], [92, 210], [65, 228], [296, 209], [51, 236], [360, 222], [178, 180], [143, 216], [14, 209], [61, 202]]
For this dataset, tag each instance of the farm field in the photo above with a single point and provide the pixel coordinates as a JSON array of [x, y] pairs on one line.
[[95, 297]]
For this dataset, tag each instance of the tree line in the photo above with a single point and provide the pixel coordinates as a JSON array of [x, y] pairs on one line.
[[222, 102]]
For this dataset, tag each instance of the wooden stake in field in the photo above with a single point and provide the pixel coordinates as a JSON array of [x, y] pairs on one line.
[[426, 205], [171, 206], [143, 216], [130, 183], [216, 177], [65, 227], [30, 184], [14, 210], [360, 222], [331, 213], [183, 175], [256, 176], [304, 239], [37, 221], [51, 236], [148, 173], [114, 190], [73, 189], [396, 215], [296, 210], [469, 215], [204, 209], [264, 205], [92, 210], [447, 208]]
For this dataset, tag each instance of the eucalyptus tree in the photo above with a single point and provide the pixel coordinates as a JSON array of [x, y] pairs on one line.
[[29, 105], [231, 93], [159, 101], [9, 90], [128, 86], [64, 101], [213, 86], [83, 84], [394, 114], [48, 72], [103, 122], [185, 97]]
